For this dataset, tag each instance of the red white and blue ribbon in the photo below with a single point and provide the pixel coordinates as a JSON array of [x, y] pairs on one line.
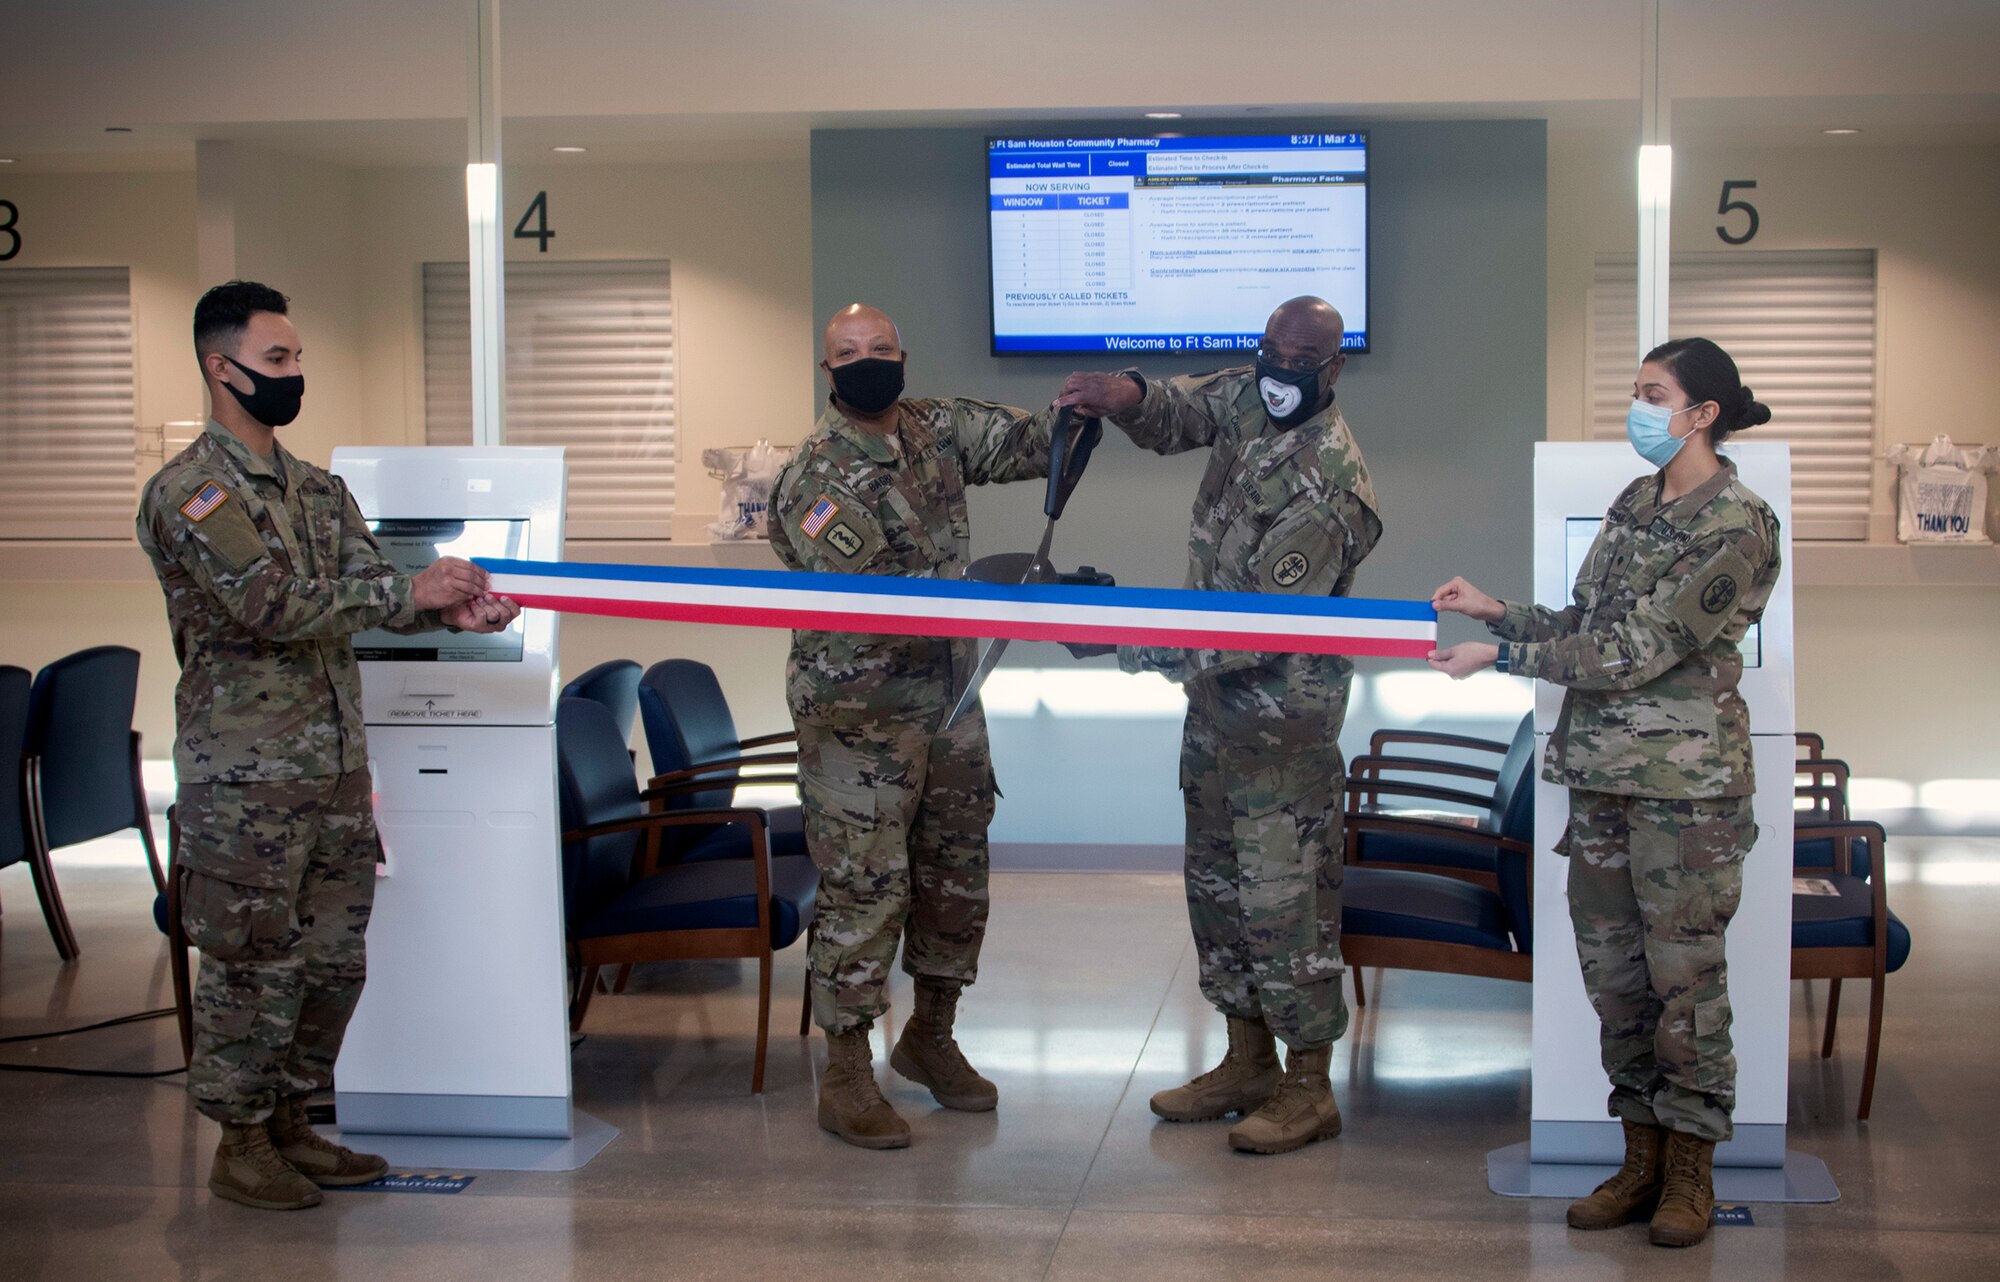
[[871, 603]]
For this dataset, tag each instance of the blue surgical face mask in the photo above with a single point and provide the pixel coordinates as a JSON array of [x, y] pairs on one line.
[[1650, 429]]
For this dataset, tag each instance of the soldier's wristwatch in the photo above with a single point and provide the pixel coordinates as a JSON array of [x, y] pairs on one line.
[[1500, 659]]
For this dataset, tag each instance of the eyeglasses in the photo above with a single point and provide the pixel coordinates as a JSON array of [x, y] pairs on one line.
[[1306, 366]]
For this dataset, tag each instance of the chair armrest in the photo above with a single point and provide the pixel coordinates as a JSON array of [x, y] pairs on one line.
[[760, 844], [1382, 738], [1398, 788], [1829, 805], [656, 791], [766, 740], [1843, 835], [1373, 765], [1432, 828], [727, 765], [1824, 772], [1813, 744]]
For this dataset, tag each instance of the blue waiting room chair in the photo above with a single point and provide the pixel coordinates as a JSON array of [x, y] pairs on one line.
[[615, 684], [620, 907], [19, 840], [82, 765], [691, 735], [1400, 919], [1494, 810]]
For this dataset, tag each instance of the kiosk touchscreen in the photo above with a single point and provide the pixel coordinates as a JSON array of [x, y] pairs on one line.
[[463, 1027], [1574, 483]]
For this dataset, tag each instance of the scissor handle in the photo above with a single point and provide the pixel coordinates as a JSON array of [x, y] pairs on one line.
[[1068, 453]]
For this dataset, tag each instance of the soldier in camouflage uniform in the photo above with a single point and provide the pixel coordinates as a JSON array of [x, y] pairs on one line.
[[1654, 746], [1286, 506], [267, 569], [895, 810]]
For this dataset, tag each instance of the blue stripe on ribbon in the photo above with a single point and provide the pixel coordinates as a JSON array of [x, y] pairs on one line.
[[967, 590]]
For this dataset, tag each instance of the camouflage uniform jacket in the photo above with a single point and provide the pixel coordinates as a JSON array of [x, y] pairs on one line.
[[1648, 649], [267, 569], [1280, 509], [850, 502]]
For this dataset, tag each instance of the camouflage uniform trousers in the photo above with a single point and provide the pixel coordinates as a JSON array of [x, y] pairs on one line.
[[1263, 880], [895, 819], [1652, 885], [277, 883]]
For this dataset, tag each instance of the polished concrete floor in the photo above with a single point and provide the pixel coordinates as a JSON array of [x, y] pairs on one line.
[[1088, 1004]]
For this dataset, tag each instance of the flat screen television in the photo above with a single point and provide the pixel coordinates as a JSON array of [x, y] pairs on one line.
[[1182, 244], [411, 545]]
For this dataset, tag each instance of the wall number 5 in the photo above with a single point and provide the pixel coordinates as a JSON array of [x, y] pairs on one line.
[[8, 230], [1727, 206]]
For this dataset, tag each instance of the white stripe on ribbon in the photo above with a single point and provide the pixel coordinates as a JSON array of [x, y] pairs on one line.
[[928, 607]]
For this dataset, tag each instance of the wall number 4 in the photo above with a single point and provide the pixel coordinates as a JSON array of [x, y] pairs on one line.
[[1727, 206], [538, 209]]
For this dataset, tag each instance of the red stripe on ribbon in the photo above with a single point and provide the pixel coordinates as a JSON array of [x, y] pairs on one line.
[[1013, 629]]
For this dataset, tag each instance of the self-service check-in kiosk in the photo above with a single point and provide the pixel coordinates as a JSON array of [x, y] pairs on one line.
[[463, 1028], [1572, 1144]]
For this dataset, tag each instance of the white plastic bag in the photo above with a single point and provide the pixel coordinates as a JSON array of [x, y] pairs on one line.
[[747, 473], [1941, 491]]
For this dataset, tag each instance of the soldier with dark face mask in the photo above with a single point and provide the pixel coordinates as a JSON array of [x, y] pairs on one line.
[[896, 809], [268, 570], [1654, 747], [1286, 506]]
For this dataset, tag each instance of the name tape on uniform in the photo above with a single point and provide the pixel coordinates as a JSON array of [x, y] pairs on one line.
[[1275, 624]]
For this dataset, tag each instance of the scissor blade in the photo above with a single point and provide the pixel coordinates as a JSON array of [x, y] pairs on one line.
[[994, 650]]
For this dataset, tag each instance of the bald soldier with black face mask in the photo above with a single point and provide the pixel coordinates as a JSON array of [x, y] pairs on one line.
[[1285, 506], [896, 809]]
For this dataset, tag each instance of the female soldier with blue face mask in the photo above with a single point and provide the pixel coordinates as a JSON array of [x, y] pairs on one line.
[[1654, 747]]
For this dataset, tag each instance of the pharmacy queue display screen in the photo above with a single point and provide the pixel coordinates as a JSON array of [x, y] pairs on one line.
[[411, 545], [1172, 244]]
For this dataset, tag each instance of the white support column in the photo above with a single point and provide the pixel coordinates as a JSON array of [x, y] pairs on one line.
[[1656, 184], [488, 269]]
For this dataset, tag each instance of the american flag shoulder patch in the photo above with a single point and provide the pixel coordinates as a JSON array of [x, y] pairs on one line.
[[208, 498], [816, 518]]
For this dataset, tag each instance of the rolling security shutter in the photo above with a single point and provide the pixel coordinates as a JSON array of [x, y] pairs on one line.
[[1801, 325], [590, 367], [66, 408]]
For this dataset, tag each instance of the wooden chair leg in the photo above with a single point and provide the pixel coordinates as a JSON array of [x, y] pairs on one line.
[[1874, 1047], [43, 873], [1360, 988], [1832, 1017], [624, 976], [142, 817], [763, 1018], [586, 986], [806, 1007]]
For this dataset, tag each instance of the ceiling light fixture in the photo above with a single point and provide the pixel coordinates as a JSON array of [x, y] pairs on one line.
[[1163, 115], [571, 150], [6, 160], [1839, 133], [1260, 111], [118, 129]]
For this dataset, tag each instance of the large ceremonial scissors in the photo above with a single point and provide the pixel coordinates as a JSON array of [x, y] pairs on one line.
[[1070, 442]]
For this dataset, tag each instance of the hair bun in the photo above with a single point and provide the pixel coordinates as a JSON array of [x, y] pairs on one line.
[[1750, 412]]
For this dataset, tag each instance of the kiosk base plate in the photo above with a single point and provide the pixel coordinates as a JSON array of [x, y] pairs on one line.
[[588, 1138], [1803, 1178]]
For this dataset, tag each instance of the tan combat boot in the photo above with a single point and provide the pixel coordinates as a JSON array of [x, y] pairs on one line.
[[927, 1054], [1630, 1194], [248, 1170], [1301, 1111], [320, 1160], [1246, 1077], [1687, 1194], [850, 1103]]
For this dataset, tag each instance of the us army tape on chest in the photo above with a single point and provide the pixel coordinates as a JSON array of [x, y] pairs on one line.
[[1272, 623]]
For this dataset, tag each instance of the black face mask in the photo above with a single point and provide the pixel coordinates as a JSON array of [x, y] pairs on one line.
[[272, 400], [871, 385], [1288, 397]]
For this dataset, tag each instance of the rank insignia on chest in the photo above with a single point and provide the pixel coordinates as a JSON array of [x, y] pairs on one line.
[[819, 514], [842, 539], [208, 498]]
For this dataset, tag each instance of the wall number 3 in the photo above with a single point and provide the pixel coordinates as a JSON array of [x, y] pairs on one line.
[[1727, 206], [7, 228]]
